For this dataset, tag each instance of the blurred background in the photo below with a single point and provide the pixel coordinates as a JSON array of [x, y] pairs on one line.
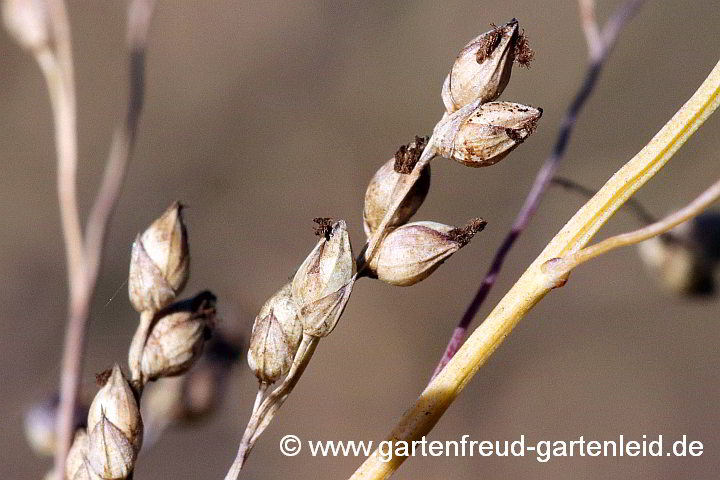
[[262, 115]]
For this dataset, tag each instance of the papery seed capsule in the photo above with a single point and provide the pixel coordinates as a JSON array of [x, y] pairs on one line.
[[85, 472], [482, 135], [116, 401], [27, 21], [412, 252], [482, 69], [111, 455], [381, 190], [160, 263], [275, 337], [176, 339], [323, 283], [77, 453], [685, 259]]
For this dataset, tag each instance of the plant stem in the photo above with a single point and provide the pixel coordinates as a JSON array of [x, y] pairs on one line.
[[84, 256], [565, 264], [534, 284], [60, 79], [598, 57], [263, 415], [139, 15]]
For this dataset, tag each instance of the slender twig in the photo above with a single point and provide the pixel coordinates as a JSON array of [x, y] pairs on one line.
[[567, 263], [263, 414], [57, 69], [534, 284], [591, 29], [633, 205], [139, 15], [609, 35], [61, 84], [83, 282]]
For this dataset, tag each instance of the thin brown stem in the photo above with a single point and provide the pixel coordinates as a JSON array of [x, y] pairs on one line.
[[84, 257], [609, 35]]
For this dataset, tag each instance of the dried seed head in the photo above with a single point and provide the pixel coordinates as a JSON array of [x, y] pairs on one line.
[[27, 22], [482, 69], [111, 455], [160, 262], [85, 472], [116, 402], [176, 340], [275, 337], [323, 282], [684, 261], [382, 187], [412, 252], [77, 453], [480, 135]]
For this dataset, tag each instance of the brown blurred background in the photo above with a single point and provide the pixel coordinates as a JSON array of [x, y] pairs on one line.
[[263, 115]]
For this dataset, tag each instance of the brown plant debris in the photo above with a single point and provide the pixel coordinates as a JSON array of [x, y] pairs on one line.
[[489, 43], [102, 378], [463, 235], [323, 227], [408, 155], [523, 53]]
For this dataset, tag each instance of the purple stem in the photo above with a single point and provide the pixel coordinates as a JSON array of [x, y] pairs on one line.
[[543, 178]]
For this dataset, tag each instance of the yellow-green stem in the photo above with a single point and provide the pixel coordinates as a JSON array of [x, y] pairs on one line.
[[534, 284]]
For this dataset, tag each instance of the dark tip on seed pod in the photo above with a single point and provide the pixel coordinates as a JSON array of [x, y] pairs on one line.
[[480, 135], [410, 253], [384, 185], [483, 67]]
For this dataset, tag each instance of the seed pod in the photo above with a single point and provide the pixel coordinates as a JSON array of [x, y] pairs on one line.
[[27, 22], [116, 402], [176, 340], [85, 472], [482, 69], [684, 260], [275, 337], [77, 453], [381, 190], [323, 283], [482, 135], [111, 455], [412, 252], [160, 262]]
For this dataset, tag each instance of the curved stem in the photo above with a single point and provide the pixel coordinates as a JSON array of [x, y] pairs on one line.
[[534, 284], [263, 414], [563, 265], [84, 255]]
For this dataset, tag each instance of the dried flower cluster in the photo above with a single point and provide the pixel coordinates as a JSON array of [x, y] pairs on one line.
[[167, 342], [474, 131]]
